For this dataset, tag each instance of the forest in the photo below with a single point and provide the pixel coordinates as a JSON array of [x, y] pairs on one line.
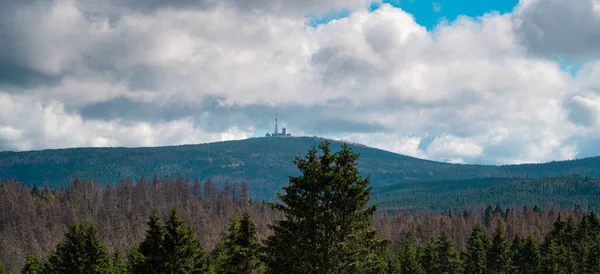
[[322, 222], [263, 163]]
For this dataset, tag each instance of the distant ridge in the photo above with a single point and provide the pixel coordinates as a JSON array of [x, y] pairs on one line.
[[264, 163]]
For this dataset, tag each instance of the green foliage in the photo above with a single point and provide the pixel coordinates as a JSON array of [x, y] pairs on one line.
[[562, 192], [527, 257], [151, 253], [475, 257], [2, 268], [264, 164], [80, 252], [557, 259], [169, 248], [593, 263], [240, 251], [449, 260], [327, 225], [33, 265], [430, 259], [118, 264], [499, 254], [409, 258], [183, 252]]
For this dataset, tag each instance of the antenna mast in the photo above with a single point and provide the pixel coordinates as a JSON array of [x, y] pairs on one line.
[[276, 120]]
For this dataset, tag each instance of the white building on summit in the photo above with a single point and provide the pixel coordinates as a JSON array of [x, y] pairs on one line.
[[283, 132]]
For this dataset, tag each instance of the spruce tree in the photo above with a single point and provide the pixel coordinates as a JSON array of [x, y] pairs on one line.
[[593, 263], [327, 225], [449, 260], [33, 265], [527, 257], [118, 265], [240, 251], [430, 259], [498, 255], [80, 252], [183, 252], [475, 256], [150, 256], [409, 258], [556, 259]]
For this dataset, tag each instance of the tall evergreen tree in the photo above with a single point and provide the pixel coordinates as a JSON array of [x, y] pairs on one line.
[[409, 258], [430, 259], [557, 259], [80, 252], [33, 265], [559, 248], [240, 251], [498, 255], [475, 256], [327, 225], [149, 257], [527, 256], [183, 252], [169, 248], [593, 263], [118, 264], [449, 260]]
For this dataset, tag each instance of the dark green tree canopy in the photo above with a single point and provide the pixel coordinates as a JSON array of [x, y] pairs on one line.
[[327, 225], [80, 252], [240, 251]]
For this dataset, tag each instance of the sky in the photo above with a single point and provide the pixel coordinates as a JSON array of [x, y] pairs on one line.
[[462, 81]]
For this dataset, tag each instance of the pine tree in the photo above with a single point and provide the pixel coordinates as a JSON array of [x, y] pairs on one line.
[[475, 256], [449, 260], [169, 248], [33, 265], [593, 263], [559, 247], [149, 257], [118, 265], [498, 255], [487, 216], [409, 258], [327, 225], [430, 259], [80, 252], [183, 252], [556, 259], [240, 251], [527, 257]]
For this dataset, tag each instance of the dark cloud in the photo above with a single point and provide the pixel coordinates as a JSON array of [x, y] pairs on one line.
[[581, 113], [19, 77], [563, 29], [284, 7], [338, 66], [212, 117]]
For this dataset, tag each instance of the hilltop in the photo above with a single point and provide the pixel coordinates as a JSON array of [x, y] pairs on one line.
[[264, 163]]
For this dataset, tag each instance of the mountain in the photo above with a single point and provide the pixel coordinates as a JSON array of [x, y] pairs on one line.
[[264, 163]]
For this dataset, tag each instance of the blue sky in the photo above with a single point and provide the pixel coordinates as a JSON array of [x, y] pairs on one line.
[[429, 13]]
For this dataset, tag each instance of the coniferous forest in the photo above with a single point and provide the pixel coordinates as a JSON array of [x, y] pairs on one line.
[[322, 222]]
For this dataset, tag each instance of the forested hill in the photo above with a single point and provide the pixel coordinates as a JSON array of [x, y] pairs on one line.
[[264, 163]]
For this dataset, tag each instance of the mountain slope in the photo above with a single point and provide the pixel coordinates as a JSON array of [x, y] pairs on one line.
[[264, 163]]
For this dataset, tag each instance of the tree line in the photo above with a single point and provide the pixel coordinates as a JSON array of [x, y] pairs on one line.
[[322, 224]]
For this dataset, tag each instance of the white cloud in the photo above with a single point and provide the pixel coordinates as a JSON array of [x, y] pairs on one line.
[[482, 90], [452, 147]]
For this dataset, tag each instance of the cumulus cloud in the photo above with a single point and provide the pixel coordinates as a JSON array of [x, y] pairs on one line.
[[144, 73], [566, 29]]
